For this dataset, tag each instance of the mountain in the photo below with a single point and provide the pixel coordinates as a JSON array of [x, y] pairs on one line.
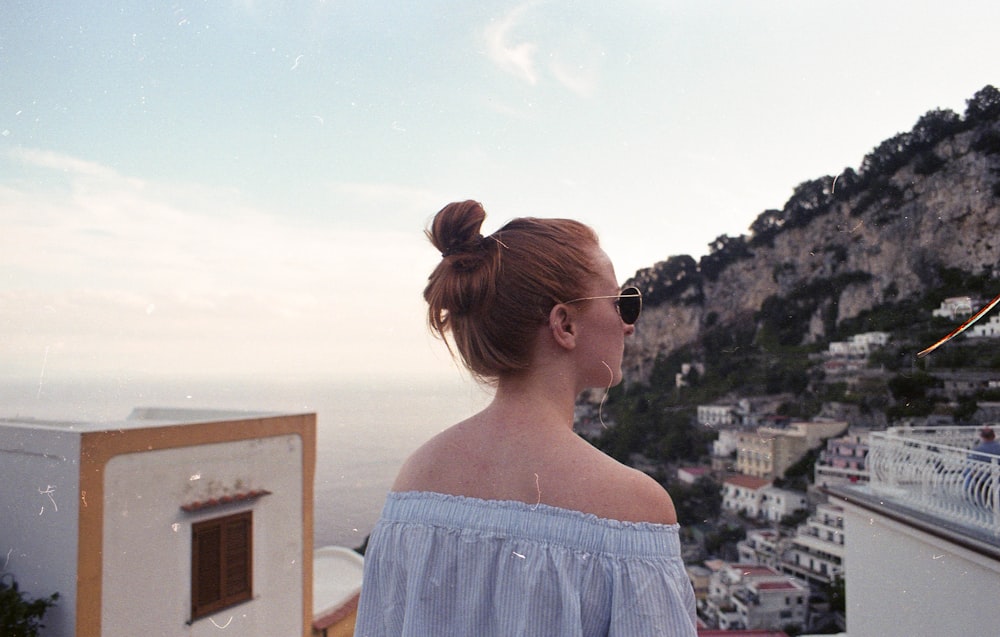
[[921, 211]]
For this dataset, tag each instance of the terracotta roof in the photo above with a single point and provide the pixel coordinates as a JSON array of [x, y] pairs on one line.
[[747, 482], [767, 586]]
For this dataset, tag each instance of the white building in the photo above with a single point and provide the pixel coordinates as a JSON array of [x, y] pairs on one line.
[[954, 308], [816, 551], [690, 475], [989, 329], [743, 494], [173, 522], [927, 535], [761, 546], [754, 597], [716, 415], [776, 503], [859, 345]]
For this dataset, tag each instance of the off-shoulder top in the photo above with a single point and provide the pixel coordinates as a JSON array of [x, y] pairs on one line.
[[445, 565]]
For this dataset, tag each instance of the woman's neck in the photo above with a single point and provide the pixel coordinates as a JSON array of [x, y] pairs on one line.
[[530, 400]]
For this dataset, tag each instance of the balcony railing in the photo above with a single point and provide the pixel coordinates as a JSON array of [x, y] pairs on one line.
[[934, 471]]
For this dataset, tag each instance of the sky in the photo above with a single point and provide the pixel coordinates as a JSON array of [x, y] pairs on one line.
[[230, 187]]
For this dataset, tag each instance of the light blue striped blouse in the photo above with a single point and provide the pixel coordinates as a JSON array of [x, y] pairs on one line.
[[443, 565]]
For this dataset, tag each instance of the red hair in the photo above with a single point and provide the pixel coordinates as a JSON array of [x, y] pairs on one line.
[[493, 293]]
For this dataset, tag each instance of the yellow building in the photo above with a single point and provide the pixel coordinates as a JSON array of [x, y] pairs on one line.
[[769, 451]]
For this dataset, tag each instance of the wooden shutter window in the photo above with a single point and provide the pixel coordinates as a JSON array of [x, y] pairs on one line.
[[221, 563]]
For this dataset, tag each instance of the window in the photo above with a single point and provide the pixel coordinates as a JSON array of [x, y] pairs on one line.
[[221, 563]]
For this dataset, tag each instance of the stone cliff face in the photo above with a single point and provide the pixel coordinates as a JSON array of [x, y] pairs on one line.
[[858, 240]]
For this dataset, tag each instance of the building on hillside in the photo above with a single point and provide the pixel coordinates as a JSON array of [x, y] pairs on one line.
[[761, 546], [751, 596], [769, 451], [690, 475], [777, 503], [927, 530], [721, 415], [171, 522], [843, 460], [701, 579], [724, 451], [958, 383], [683, 377], [859, 345], [956, 308], [988, 329], [816, 552], [743, 494]]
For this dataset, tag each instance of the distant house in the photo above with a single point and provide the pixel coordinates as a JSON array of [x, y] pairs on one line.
[[724, 450], [173, 522], [815, 553], [988, 329], [701, 578], [722, 415], [777, 503], [843, 460], [756, 498], [955, 307], [761, 546], [690, 475], [859, 345], [751, 596], [769, 451], [743, 494]]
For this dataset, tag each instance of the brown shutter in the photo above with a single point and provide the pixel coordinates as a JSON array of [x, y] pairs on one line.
[[221, 563], [236, 557]]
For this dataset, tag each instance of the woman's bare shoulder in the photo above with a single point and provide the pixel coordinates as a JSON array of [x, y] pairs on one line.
[[632, 496]]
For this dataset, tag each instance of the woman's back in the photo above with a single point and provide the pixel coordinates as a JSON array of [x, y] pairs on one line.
[[534, 465]]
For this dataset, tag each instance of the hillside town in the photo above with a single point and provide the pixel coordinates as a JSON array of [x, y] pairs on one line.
[[797, 542]]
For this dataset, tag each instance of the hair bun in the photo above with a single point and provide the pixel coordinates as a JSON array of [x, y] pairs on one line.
[[469, 246], [456, 228]]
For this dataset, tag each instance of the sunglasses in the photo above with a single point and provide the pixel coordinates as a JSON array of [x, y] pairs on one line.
[[628, 302]]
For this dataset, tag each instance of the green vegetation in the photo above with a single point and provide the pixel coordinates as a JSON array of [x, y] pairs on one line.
[[699, 503], [21, 616]]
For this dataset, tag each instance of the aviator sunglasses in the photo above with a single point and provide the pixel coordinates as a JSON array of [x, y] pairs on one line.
[[628, 302]]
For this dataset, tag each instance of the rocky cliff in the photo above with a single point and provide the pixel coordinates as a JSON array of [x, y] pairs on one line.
[[921, 202]]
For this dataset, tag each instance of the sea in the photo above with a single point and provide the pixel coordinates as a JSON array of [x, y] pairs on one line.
[[365, 428]]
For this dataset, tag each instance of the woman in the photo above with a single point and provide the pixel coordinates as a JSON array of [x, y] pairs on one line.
[[508, 523]]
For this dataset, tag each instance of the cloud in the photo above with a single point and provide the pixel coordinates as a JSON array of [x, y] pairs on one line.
[[517, 58], [570, 57], [105, 271]]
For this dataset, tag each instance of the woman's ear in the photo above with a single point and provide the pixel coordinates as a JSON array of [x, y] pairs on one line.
[[562, 325]]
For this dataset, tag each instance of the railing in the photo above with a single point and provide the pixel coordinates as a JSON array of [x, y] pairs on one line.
[[934, 471]]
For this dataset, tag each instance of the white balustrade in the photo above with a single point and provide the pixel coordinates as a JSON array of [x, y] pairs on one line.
[[934, 471]]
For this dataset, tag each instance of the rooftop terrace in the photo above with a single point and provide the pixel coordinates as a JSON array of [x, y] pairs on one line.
[[930, 478]]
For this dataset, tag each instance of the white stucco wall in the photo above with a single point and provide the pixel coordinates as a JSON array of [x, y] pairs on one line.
[[38, 516], [904, 582], [147, 537]]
